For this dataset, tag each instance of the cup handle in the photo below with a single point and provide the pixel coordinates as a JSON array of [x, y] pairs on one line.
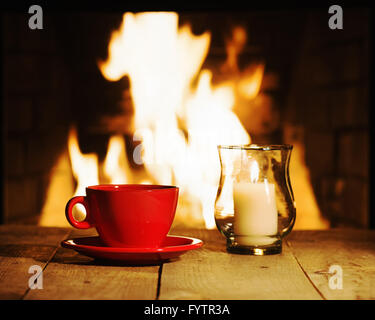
[[85, 224]]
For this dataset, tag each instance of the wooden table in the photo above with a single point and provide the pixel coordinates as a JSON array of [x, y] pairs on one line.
[[302, 271]]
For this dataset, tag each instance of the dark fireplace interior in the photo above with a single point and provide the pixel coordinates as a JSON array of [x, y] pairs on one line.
[[315, 88]]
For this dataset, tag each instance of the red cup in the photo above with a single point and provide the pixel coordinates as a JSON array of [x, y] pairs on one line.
[[127, 215]]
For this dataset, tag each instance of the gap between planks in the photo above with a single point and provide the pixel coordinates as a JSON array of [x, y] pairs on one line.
[[303, 270], [88, 279], [212, 273], [21, 247], [67, 235]]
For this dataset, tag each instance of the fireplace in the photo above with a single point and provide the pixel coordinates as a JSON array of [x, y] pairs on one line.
[[313, 93]]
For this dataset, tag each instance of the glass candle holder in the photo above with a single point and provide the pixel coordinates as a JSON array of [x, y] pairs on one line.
[[255, 207]]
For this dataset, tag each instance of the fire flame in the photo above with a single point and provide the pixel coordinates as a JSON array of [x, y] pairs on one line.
[[84, 168], [116, 166], [179, 126], [179, 115], [254, 171]]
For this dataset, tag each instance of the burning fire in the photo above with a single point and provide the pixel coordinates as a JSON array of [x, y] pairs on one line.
[[179, 125], [116, 166], [179, 115]]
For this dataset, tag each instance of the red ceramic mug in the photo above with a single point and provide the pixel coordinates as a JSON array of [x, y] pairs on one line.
[[127, 215]]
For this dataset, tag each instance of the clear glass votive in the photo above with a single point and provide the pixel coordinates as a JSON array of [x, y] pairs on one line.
[[255, 207]]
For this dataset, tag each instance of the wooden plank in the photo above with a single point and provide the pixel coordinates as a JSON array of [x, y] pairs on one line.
[[352, 250], [30, 234], [20, 248], [300, 272], [72, 276], [212, 273]]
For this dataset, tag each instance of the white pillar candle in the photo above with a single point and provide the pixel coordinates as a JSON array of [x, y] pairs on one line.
[[255, 213]]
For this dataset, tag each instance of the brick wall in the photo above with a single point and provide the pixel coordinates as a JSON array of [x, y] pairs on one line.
[[36, 108], [330, 98], [51, 81]]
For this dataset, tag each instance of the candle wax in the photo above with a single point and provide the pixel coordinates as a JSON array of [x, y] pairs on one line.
[[255, 213]]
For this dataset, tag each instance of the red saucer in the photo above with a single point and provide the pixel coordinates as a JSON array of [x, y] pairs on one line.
[[172, 247]]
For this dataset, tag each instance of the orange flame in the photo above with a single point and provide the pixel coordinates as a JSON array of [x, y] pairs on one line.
[[116, 166], [178, 123], [179, 126], [250, 82], [84, 168]]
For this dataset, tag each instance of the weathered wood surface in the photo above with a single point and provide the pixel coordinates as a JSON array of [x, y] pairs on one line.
[[352, 250], [69, 275], [302, 271], [212, 273], [20, 248]]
